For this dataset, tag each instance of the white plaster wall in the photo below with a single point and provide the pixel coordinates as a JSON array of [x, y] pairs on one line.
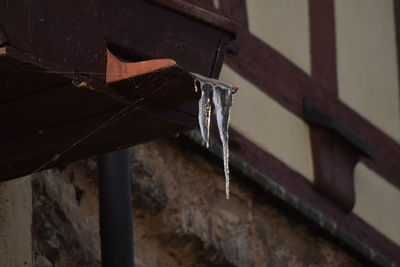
[[367, 61], [269, 125], [377, 202], [283, 24]]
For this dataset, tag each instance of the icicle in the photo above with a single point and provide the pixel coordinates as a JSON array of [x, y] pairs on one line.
[[221, 94], [205, 111], [195, 80], [222, 101]]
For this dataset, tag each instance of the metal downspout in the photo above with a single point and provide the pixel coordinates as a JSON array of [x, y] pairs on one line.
[[115, 209]]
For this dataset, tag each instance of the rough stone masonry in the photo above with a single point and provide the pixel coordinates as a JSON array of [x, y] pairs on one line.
[[181, 217]]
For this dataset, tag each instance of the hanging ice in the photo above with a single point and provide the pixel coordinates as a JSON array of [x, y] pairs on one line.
[[221, 94], [222, 101], [205, 111]]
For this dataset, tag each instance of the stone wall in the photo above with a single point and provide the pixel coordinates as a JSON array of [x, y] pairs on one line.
[[15, 223], [181, 217]]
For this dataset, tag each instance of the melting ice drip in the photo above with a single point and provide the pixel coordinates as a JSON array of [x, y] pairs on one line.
[[221, 95]]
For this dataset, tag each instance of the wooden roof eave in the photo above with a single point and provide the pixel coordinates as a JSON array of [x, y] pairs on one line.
[[57, 102], [201, 14], [155, 98]]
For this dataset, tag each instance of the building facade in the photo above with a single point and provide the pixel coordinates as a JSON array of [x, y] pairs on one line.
[[315, 156]]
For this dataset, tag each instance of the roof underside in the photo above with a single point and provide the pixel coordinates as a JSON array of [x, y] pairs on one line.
[[61, 100]]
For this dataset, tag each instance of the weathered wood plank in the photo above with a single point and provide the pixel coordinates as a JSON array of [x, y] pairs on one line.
[[45, 122], [75, 35], [41, 108], [54, 95], [202, 10], [25, 154], [48, 108], [18, 79]]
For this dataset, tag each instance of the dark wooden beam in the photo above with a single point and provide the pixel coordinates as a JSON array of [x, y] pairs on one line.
[[289, 85], [323, 48], [194, 10], [79, 79], [75, 36], [49, 127]]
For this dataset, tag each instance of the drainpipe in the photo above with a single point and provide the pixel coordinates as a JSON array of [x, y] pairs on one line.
[[115, 209]]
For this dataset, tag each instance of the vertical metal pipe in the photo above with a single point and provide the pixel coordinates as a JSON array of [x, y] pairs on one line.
[[116, 228]]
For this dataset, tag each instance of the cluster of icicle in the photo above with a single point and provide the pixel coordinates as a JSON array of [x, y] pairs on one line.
[[219, 93]]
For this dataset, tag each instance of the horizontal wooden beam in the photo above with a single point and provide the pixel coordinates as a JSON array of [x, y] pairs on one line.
[[201, 14], [81, 79], [59, 120]]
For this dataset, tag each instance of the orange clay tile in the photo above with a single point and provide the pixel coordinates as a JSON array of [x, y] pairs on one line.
[[119, 70]]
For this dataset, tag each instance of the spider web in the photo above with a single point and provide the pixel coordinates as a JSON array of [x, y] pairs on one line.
[[151, 90]]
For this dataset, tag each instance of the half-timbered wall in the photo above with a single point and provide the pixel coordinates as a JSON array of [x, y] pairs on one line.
[[367, 61], [287, 34], [270, 126], [341, 54]]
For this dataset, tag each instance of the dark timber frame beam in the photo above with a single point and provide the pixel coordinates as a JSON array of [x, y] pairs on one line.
[[65, 96]]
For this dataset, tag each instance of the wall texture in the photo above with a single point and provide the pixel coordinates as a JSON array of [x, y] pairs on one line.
[[181, 217], [15, 223]]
